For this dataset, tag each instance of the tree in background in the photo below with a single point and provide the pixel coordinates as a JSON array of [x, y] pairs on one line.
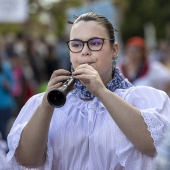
[[45, 17], [137, 13]]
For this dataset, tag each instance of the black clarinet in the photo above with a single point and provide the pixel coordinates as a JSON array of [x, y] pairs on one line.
[[57, 97]]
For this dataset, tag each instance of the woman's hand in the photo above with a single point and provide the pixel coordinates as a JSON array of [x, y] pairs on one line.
[[55, 82], [34, 140], [89, 77]]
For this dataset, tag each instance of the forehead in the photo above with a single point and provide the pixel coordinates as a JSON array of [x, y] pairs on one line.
[[85, 30], [133, 48]]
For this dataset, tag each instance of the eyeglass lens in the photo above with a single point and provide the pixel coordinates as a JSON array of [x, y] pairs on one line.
[[93, 44]]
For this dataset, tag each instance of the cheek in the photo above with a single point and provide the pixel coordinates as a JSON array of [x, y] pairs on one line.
[[106, 59], [105, 62]]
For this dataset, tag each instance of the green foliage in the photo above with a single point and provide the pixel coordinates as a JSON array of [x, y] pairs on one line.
[[138, 13], [135, 15], [12, 28], [58, 11]]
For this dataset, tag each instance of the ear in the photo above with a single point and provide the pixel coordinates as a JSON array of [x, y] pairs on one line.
[[115, 50]]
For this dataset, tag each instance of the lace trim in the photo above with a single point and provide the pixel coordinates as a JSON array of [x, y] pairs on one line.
[[124, 147], [25, 168], [155, 126], [126, 152], [14, 142]]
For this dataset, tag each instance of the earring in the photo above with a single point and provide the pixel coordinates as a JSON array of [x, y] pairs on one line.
[[113, 63]]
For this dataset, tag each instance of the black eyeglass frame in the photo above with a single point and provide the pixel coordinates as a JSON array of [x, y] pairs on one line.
[[87, 43]]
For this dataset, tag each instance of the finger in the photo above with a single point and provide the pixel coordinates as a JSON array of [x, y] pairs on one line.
[[83, 71], [55, 86], [58, 79], [85, 77], [59, 72], [84, 66]]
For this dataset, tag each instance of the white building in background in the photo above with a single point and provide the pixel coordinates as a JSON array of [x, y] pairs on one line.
[[105, 8], [13, 11]]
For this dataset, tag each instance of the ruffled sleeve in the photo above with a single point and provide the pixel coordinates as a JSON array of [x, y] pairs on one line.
[[14, 136], [3, 161], [154, 106]]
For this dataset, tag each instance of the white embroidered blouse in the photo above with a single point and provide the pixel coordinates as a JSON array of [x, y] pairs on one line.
[[83, 136]]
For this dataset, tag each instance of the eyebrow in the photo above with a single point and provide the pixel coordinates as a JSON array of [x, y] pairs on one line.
[[82, 40]]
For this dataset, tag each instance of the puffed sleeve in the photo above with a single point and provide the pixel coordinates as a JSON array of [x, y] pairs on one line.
[[154, 106], [162, 161], [3, 161], [15, 134]]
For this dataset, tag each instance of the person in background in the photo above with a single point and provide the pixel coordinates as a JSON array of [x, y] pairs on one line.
[[140, 70], [51, 61], [6, 99], [51, 64], [106, 122], [63, 53], [18, 88], [3, 150], [36, 61]]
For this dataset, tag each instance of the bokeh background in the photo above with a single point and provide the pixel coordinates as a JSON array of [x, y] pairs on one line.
[[33, 35]]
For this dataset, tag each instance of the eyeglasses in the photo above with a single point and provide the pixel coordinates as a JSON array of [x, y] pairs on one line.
[[94, 44]]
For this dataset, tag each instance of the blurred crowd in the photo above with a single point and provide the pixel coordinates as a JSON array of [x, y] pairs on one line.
[[26, 65], [149, 67]]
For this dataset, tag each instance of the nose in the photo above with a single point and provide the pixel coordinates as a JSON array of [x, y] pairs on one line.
[[85, 51]]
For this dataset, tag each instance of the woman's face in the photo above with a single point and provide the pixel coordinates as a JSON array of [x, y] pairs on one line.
[[134, 53], [101, 60]]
